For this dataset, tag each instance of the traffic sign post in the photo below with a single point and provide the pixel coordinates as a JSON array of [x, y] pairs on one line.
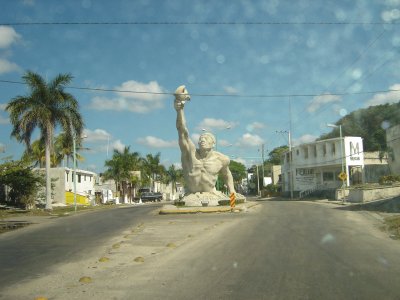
[[232, 199], [343, 176]]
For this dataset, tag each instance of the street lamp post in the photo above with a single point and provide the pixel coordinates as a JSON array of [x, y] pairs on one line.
[[291, 177], [341, 154], [74, 160]]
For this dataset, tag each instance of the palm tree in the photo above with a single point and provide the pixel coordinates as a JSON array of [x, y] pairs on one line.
[[63, 148], [119, 168], [45, 107], [174, 175], [151, 165], [35, 155]]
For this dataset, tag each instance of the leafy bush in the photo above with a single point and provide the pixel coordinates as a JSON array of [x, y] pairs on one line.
[[228, 203], [179, 203], [22, 182], [389, 179]]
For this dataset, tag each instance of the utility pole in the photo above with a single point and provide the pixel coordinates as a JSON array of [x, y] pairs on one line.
[[262, 157]]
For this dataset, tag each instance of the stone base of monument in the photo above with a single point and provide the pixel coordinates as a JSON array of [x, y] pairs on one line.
[[208, 198]]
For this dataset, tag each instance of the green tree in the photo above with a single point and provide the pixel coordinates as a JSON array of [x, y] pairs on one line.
[[370, 124], [238, 171], [45, 107], [119, 168], [174, 175], [275, 156], [35, 154], [22, 182], [63, 148], [152, 167]]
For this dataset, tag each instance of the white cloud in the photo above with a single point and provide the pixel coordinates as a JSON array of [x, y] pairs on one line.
[[3, 106], [118, 145], [155, 142], [254, 126], [307, 138], [250, 140], [388, 97], [219, 124], [146, 98], [7, 66], [96, 135], [390, 15], [8, 36], [231, 90], [320, 100]]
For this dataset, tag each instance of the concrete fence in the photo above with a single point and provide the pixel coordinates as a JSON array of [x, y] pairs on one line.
[[371, 194]]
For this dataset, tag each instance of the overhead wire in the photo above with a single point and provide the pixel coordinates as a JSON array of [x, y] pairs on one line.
[[213, 95], [86, 23]]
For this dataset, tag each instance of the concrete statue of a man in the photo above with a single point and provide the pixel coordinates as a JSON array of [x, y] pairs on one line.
[[200, 166]]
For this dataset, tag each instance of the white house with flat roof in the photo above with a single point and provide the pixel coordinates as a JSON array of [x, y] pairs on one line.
[[63, 185], [318, 165]]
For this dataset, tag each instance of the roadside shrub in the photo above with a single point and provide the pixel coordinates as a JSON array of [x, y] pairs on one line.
[[228, 203], [179, 203], [23, 183], [389, 179], [271, 190]]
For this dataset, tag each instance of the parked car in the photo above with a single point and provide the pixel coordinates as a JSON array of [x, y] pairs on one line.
[[150, 196]]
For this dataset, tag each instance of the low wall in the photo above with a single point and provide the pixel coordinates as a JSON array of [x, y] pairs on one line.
[[366, 194]]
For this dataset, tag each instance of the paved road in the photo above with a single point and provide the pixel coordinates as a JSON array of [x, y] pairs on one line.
[[287, 250], [277, 250], [29, 252]]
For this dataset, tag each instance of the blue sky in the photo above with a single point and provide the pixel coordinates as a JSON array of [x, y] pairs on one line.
[[271, 66]]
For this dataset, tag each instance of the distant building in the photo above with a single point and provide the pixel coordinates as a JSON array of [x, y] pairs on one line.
[[317, 165], [393, 143], [63, 185]]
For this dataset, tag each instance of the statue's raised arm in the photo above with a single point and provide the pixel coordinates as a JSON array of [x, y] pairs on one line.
[[181, 96]]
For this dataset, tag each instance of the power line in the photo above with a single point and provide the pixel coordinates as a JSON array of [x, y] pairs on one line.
[[192, 23], [217, 95]]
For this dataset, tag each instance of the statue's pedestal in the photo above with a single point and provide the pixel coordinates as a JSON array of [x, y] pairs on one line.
[[207, 198]]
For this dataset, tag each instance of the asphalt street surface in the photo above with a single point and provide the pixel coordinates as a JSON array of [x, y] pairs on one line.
[[275, 250], [30, 252]]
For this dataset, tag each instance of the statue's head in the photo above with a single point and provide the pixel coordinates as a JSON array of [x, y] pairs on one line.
[[207, 141], [182, 94]]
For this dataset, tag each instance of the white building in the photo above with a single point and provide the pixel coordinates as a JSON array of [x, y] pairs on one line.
[[317, 165], [63, 185]]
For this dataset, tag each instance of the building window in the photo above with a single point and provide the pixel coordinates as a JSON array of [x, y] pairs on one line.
[[315, 150], [297, 152], [79, 178], [327, 176], [84, 178], [66, 175], [333, 148], [305, 152], [324, 149]]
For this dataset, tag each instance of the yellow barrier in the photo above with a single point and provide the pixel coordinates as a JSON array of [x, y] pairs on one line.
[[81, 200]]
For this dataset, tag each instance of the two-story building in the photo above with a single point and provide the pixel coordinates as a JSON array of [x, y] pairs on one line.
[[63, 185], [321, 165]]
